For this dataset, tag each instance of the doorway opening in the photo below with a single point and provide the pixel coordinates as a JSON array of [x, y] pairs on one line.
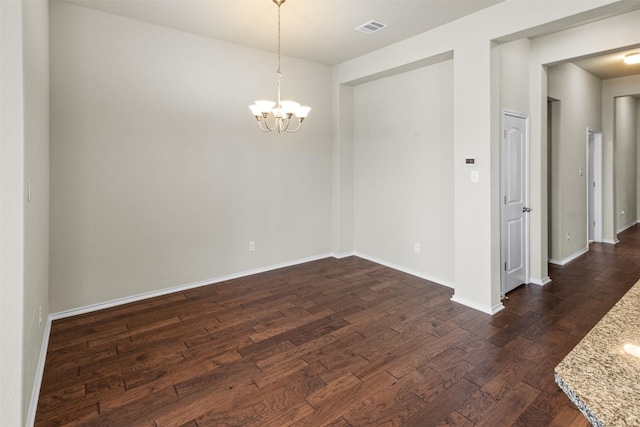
[[594, 185], [553, 137]]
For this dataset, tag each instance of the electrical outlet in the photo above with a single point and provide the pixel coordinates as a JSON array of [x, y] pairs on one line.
[[40, 315], [568, 237], [416, 248], [252, 246], [622, 212]]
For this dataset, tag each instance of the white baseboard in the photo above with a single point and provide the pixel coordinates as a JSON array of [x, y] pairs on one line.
[[405, 270], [343, 255], [611, 242], [485, 309], [624, 227], [541, 282], [37, 383], [179, 288], [570, 258]]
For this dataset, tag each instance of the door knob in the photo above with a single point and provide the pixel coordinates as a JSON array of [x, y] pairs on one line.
[[526, 210]]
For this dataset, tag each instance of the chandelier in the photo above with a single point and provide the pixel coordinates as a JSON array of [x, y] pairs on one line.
[[279, 115]]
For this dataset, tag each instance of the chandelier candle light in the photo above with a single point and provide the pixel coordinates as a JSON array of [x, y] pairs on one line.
[[280, 113]]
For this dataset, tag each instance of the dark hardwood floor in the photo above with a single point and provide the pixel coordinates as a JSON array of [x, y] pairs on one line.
[[332, 342]]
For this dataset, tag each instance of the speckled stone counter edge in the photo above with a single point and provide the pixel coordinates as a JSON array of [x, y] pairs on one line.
[[594, 365], [579, 403]]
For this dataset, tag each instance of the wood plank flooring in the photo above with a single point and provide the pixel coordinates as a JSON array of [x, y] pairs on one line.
[[332, 342]]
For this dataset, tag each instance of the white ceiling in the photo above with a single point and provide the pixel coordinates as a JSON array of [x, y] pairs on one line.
[[322, 31], [316, 30], [610, 65]]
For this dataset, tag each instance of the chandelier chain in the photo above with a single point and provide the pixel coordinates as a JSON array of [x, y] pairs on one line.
[[279, 72]]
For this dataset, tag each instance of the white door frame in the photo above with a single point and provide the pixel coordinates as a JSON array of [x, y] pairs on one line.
[[526, 239], [597, 193]]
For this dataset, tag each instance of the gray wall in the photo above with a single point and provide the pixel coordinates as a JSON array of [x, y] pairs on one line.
[[160, 176], [12, 393], [514, 75], [626, 149], [24, 223], [580, 96], [36, 155], [403, 170], [638, 156]]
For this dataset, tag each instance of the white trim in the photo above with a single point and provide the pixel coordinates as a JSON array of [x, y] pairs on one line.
[[542, 282], [624, 227], [343, 255], [597, 174], [570, 258], [611, 242], [405, 270], [37, 383], [485, 309], [179, 288]]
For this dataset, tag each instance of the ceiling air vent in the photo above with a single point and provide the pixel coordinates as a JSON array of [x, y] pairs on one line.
[[371, 27]]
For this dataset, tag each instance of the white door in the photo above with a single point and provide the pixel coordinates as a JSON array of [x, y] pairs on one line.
[[514, 197]]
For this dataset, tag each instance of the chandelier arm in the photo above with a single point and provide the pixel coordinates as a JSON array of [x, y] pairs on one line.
[[296, 129], [268, 129], [284, 124], [263, 129]]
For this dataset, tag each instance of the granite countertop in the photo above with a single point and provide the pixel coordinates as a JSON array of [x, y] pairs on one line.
[[601, 375]]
